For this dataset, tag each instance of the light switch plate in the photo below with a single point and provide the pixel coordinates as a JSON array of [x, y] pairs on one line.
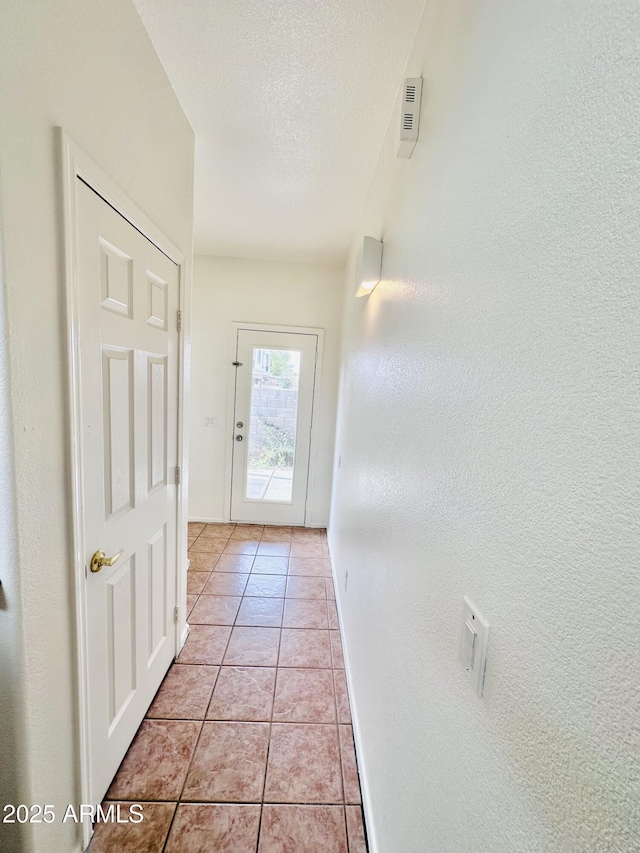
[[209, 420], [474, 638]]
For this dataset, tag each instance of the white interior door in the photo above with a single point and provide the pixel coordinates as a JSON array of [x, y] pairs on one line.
[[127, 321], [275, 377]]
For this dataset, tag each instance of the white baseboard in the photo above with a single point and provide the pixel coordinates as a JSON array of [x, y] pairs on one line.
[[183, 636], [362, 768], [208, 520], [222, 521]]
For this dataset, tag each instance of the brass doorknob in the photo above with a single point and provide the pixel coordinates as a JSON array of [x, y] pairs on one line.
[[100, 559]]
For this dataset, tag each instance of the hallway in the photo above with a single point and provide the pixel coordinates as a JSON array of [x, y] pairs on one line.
[[370, 267], [248, 744]]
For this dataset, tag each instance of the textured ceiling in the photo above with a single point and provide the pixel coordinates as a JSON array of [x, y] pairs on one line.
[[289, 101]]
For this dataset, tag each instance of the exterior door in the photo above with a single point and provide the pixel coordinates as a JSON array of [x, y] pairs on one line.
[[275, 377], [128, 339]]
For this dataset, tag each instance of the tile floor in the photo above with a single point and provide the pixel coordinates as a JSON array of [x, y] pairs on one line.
[[248, 744]]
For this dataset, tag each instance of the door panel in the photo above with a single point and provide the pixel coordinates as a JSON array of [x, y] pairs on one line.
[[120, 591], [157, 413], [128, 303], [119, 460], [157, 593], [273, 410], [116, 279]]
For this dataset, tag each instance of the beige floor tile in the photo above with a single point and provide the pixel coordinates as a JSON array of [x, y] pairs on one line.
[[203, 545], [229, 763], [306, 534], [241, 546], [243, 693], [355, 830], [215, 610], [196, 582], [217, 542], [184, 693], [332, 612], [268, 548], [156, 763], [316, 778], [202, 562], [305, 613], [304, 696], [302, 829], [266, 586], [304, 648], [336, 650], [300, 587], [205, 644], [270, 565], [146, 836], [349, 767], [248, 531], [276, 534], [225, 583], [262, 612], [219, 530], [218, 828], [253, 647], [342, 696], [309, 566], [306, 548], [236, 563]]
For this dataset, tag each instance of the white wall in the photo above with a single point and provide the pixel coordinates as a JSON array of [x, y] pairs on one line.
[[488, 435], [253, 291], [90, 68]]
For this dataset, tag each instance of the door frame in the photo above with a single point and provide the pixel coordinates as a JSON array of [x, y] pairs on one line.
[[231, 396], [77, 164]]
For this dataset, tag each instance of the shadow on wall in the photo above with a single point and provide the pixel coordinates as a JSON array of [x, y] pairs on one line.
[[12, 835]]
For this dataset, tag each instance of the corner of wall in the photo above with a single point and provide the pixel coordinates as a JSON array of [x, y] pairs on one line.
[[16, 837]]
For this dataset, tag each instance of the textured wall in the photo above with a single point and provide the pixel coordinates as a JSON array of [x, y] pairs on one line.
[[226, 290], [488, 441], [90, 68]]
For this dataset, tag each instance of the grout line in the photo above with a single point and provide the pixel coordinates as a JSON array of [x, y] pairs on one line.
[[344, 793], [195, 749], [334, 803], [173, 817], [261, 810], [273, 699], [210, 697]]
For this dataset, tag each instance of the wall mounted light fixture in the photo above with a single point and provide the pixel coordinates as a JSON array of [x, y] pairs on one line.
[[371, 267]]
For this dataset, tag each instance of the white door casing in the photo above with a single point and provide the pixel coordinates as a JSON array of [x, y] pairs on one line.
[[128, 300], [272, 509]]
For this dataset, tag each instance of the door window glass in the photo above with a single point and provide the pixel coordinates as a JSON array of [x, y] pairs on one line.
[[273, 420]]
